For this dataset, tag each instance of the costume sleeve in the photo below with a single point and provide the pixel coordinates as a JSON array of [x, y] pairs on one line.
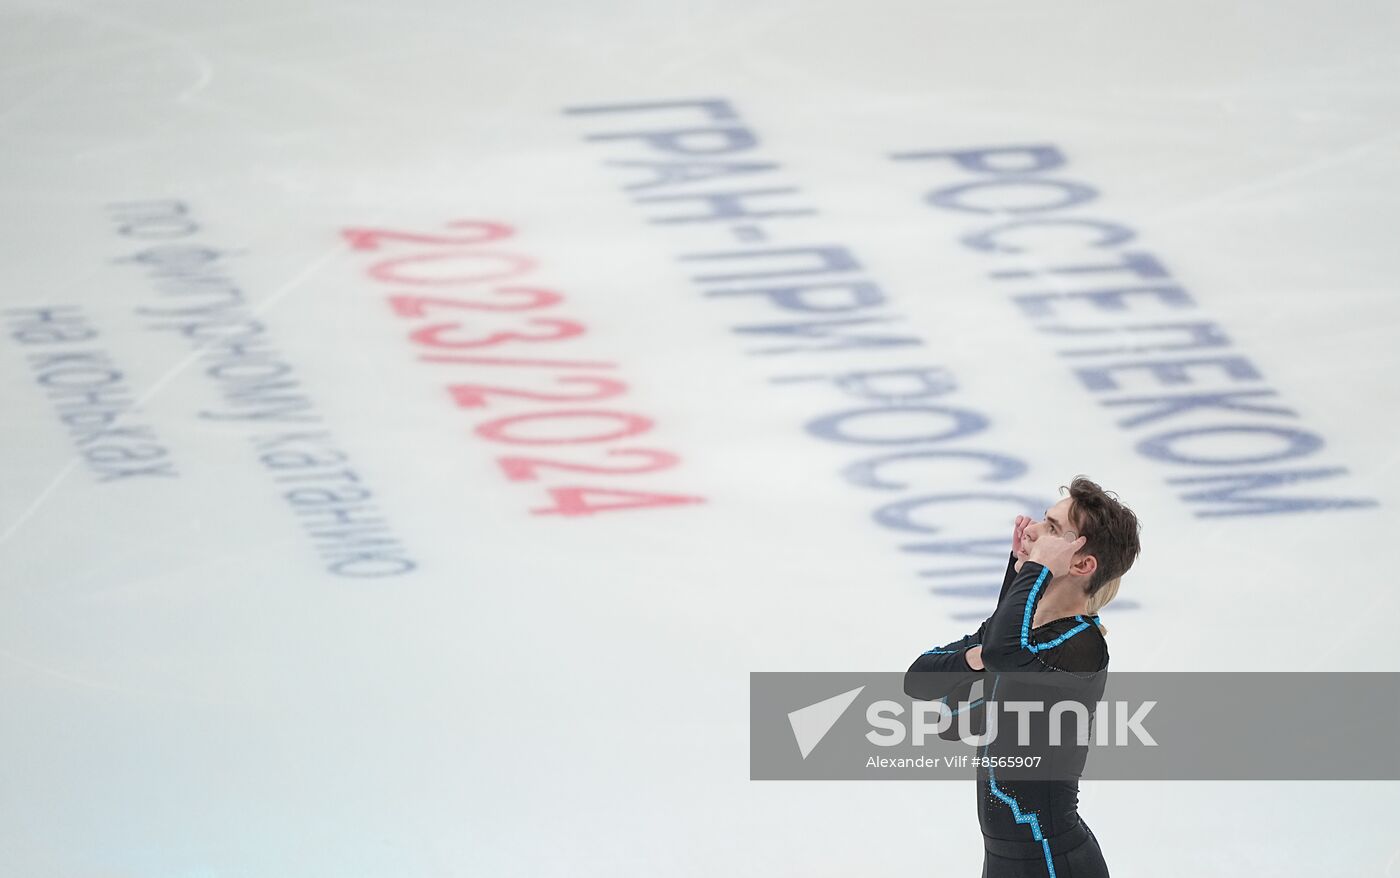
[[940, 670], [1007, 645], [950, 658], [1007, 579]]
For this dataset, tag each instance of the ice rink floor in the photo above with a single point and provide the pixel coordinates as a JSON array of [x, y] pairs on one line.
[[420, 419]]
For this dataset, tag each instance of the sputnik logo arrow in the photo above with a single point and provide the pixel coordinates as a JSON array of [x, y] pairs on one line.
[[811, 723]]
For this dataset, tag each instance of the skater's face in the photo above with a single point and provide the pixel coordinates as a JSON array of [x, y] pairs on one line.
[[1056, 523]]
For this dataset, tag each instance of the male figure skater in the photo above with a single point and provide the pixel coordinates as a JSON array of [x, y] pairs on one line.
[[1062, 570]]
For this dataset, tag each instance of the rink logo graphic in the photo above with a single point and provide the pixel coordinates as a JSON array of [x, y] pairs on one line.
[[473, 266], [811, 723], [1195, 414]]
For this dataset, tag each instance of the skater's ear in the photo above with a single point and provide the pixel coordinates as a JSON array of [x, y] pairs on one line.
[[1084, 565]]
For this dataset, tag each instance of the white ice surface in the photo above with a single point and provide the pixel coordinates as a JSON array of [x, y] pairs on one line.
[[187, 693]]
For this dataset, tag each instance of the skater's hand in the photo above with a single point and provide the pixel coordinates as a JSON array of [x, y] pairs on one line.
[[1018, 536], [1056, 552], [974, 658], [1020, 546]]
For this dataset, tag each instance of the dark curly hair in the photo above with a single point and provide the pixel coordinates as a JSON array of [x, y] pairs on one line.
[[1109, 528]]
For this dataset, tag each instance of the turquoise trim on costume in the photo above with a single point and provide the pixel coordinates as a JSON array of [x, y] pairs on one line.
[[944, 699], [1031, 818], [1026, 621], [1037, 647], [937, 651], [1030, 607]]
